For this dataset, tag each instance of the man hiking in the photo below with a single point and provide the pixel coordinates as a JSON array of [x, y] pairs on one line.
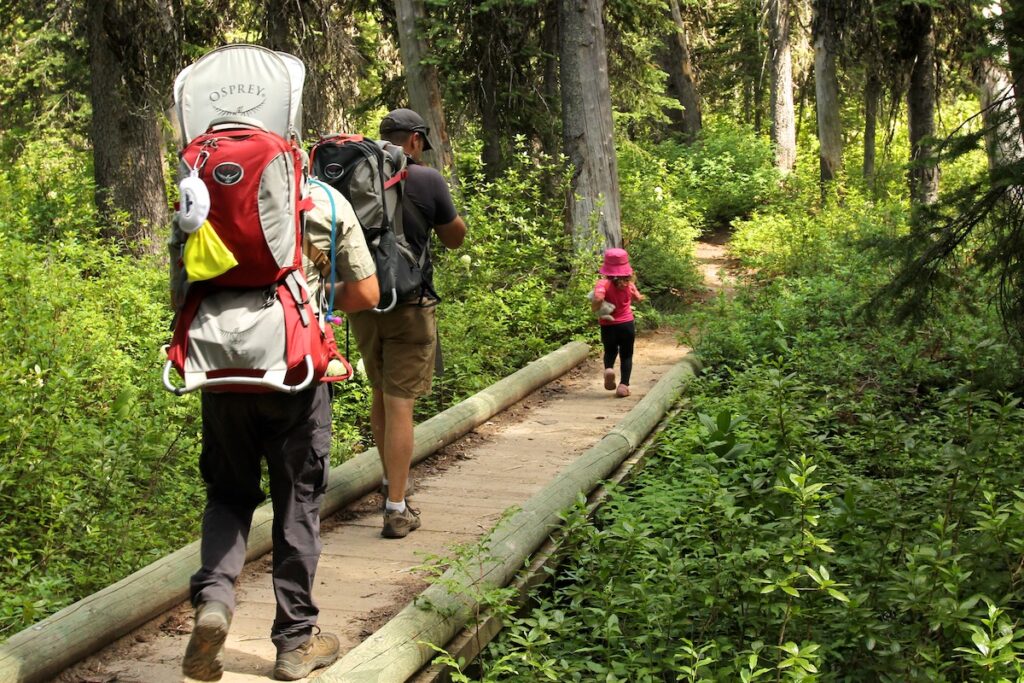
[[398, 347]]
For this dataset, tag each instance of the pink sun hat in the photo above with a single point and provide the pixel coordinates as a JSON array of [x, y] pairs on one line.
[[616, 263]]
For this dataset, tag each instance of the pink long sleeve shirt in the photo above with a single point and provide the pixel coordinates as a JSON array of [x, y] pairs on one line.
[[621, 297]]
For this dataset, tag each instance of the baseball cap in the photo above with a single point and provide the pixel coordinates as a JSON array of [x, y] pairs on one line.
[[406, 119]]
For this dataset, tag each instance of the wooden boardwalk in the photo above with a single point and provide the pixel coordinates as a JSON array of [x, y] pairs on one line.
[[364, 579]]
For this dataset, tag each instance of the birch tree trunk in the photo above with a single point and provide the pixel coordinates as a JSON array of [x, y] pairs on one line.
[[422, 84], [783, 128], [1013, 32], [127, 111], [826, 91], [682, 76], [587, 127], [996, 92], [921, 96]]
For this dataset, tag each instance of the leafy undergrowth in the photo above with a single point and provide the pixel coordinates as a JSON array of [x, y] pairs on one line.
[[836, 500], [840, 504]]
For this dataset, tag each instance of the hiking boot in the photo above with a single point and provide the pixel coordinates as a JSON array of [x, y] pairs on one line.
[[202, 655], [609, 379], [320, 650], [410, 488], [622, 391], [399, 524]]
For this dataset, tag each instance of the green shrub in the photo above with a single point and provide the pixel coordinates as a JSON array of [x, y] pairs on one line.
[[836, 500], [512, 288], [659, 225], [98, 457], [727, 173]]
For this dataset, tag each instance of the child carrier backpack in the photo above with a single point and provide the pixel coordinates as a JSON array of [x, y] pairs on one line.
[[371, 175], [246, 321]]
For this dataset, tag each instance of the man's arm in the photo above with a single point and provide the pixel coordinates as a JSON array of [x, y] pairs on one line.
[[452, 233], [359, 295]]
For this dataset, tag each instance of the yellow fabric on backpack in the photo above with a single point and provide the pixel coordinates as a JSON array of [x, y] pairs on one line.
[[206, 257]]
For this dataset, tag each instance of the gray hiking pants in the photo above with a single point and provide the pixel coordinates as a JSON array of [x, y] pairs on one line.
[[293, 434]]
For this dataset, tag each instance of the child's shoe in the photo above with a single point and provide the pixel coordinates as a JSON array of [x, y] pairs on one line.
[[609, 378], [622, 391]]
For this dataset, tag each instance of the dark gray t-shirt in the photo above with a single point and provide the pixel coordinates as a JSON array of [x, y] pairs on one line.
[[427, 188]]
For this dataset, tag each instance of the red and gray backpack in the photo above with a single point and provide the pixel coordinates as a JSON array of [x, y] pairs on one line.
[[245, 320]]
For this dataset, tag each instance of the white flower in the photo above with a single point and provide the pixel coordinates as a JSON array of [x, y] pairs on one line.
[[466, 259], [659, 194], [360, 368]]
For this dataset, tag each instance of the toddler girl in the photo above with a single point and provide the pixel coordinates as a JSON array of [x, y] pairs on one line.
[[619, 332]]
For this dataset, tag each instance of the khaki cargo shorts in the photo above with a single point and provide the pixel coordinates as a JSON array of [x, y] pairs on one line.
[[397, 349]]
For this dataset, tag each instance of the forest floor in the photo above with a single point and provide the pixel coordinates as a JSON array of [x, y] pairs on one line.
[[461, 492]]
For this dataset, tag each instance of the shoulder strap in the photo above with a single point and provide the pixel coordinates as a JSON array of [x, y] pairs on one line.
[[331, 273], [417, 213], [320, 260]]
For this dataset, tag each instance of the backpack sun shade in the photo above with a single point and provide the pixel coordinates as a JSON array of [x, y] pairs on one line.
[[247, 323]]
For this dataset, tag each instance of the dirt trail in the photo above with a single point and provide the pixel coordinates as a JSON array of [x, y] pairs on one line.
[[462, 491]]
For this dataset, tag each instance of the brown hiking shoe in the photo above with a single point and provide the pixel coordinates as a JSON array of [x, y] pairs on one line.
[[202, 655], [320, 650], [622, 391], [399, 524], [609, 379]]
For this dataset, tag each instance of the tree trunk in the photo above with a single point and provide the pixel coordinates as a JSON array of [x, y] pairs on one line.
[[996, 91], [921, 96], [872, 92], [826, 91], [1013, 30], [551, 87], [490, 125], [318, 34], [422, 83], [683, 78], [587, 127], [783, 128], [126, 131]]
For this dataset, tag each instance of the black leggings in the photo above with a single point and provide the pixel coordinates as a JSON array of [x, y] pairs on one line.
[[618, 341]]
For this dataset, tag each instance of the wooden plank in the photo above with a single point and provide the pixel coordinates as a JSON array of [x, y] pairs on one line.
[[398, 650], [468, 644], [44, 649]]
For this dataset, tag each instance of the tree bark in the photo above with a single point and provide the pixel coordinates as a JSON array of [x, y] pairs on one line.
[[826, 91], [587, 127], [783, 128], [550, 136], [1013, 32], [921, 97], [422, 83], [872, 92], [683, 78], [996, 92], [490, 124], [318, 34], [126, 131]]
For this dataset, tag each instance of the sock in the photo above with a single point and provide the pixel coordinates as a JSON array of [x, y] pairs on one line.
[[394, 507], [384, 482]]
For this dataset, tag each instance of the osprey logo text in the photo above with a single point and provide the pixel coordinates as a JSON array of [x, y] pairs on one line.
[[240, 98], [228, 173], [333, 171]]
